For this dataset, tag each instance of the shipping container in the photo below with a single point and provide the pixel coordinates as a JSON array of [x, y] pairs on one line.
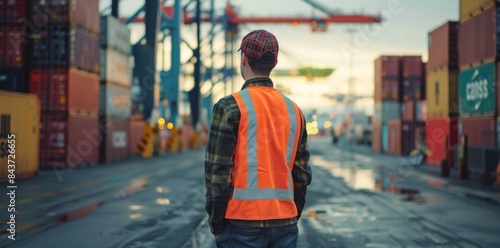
[[438, 132], [408, 111], [377, 138], [115, 34], [69, 140], [442, 93], [115, 135], [478, 39], [65, 89], [388, 110], [443, 47], [424, 111], [20, 128], [477, 90], [136, 132], [58, 45], [13, 80], [412, 89], [115, 67], [394, 137], [14, 46], [77, 13], [2, 45], [480, 131], [387, 67], [471, 8], [2, 12], [412, 66], [387, 89], [115, 101], [385, 138], [14, 12]]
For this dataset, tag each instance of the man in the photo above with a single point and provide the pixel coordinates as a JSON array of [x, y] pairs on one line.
[[256, 163]]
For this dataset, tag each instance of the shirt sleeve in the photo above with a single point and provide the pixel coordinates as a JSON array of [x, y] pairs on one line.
[[219, 165], [301, 173]]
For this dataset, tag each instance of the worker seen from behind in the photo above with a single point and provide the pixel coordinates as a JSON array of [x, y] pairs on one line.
[[256, 162]]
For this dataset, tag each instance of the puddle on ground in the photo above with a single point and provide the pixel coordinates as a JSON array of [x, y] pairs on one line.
[[373, 179]]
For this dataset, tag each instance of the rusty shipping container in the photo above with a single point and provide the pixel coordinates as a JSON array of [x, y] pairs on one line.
[[68, 140], [13, 80], [377, 138], [115, 67], [438, 132], [77, 13], [394, 137], [408, 111], [136, 132], [19, 128], [13, 12], [412, 66], [478, 39], [115, 34], [412, 89], [387, 110], [59, 45], [387, 90], [115, 101], [479, 130], [443, 47], [66, 89], [115, 134], [442, 93], [387, 67], [14, 47], [387, 76], [471, 8]]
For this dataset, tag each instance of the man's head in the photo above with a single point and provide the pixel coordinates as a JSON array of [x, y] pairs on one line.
[[260, 49]]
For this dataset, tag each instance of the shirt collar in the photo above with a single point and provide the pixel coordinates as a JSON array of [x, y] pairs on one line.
[[261, 81]]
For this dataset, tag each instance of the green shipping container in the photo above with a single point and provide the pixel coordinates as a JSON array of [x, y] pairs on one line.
[[477, 90]]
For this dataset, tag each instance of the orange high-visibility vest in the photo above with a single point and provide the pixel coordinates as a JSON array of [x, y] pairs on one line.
[[268, 136]]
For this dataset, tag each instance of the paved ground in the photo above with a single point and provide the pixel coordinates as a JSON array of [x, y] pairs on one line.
[[357, 199]]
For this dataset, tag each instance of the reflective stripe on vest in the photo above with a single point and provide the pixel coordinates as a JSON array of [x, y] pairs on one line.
[[252, 192]]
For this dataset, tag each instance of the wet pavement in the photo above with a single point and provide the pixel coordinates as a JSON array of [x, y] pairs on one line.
[[355, 200]]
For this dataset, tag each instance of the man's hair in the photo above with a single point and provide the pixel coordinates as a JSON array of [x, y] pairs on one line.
[[262, 68]]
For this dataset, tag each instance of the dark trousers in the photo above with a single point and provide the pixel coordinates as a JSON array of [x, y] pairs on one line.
[[247, 236]]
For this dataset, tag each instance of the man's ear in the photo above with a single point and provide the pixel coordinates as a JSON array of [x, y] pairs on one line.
[[244, 59]]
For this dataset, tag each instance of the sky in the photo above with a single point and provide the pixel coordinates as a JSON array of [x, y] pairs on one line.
[[404, 31]]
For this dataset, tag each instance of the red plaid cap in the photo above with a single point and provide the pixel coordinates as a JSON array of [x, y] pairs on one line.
[[258, 42]]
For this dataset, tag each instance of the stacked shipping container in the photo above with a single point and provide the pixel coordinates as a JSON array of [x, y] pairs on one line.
[[387, 96], [442, 91], [115, 104], [399, 91], [479, 50], [64, 62], [12, 46]]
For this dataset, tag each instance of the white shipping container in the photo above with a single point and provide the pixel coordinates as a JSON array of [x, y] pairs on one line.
[[115, 67], [115, 34]]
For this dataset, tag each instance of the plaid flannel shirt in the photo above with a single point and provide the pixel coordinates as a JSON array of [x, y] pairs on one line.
[[219, 164]]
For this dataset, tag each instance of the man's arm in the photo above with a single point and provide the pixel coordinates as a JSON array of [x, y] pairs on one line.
[[302, 174], [219, 165]]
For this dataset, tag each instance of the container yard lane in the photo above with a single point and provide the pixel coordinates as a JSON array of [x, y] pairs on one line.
[[357, 199]]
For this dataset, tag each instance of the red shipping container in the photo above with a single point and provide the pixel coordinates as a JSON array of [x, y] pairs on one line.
[[412, 66], [14, 11], [408, 111], [2, 46], [68, 140], [66, 89], [115, 134], [2, 11], [437, 131], [477, 39], [387, 89], [377, 138], [14, 47], [480, 131], [77, 13], [394, 137], [443, 47], [387, 67], [136, 132]]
